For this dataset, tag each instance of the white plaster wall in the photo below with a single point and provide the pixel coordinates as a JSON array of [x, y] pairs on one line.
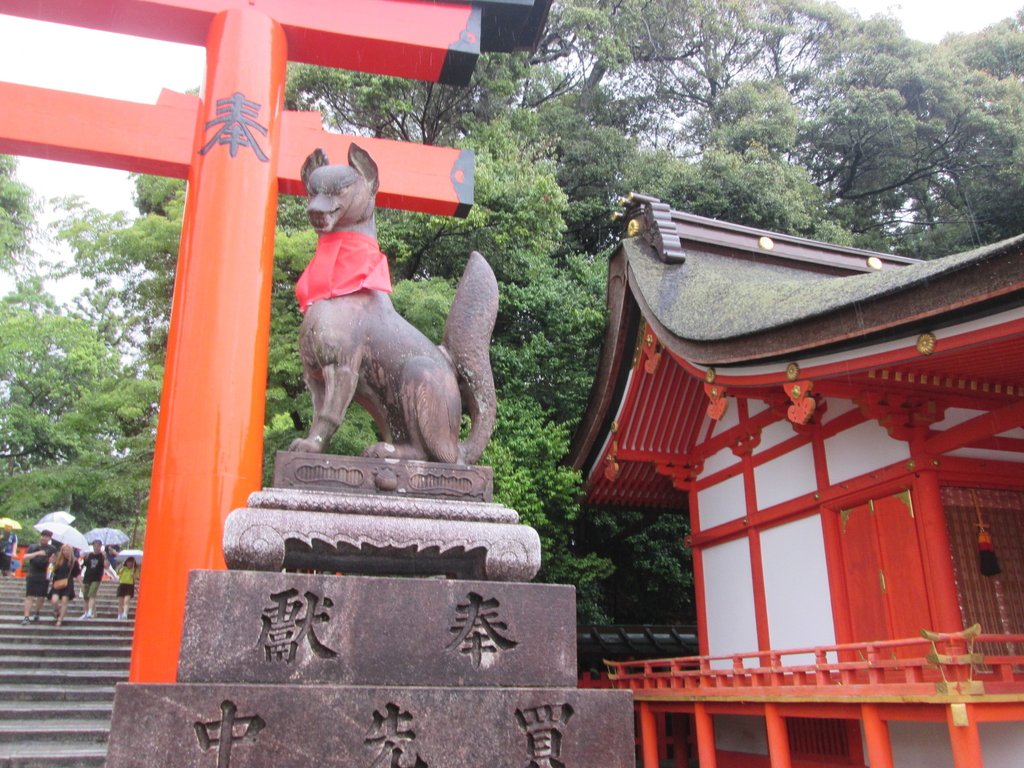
[[729, 597], [773, 434], [754, 407], [721, 503], [729, 420], [741, 733], [796, 587], [1002, 744], [861, 449], [987, 454], [835, 407], [716, 462], [954, 416], [784, 478], [920, 745]]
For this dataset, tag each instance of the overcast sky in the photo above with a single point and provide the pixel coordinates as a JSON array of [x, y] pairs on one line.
[[135, 69]]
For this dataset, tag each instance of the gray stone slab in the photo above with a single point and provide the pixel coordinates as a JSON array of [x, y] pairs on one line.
[[381, 505], [356, 474], [246, 626], [274, 539], [274, 726]]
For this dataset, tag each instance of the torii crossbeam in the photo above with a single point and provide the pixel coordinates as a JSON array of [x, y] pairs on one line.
[[239, 148]]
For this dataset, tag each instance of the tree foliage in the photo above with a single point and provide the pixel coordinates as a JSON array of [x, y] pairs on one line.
[[791, 115]]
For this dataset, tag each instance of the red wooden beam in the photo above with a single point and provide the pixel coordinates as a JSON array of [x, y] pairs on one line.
[[979, 428], [157, 139], [404, 38]]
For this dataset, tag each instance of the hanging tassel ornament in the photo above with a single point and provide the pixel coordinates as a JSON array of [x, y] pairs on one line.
[[988, 563]]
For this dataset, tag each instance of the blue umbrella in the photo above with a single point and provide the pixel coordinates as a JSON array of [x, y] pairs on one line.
[[107, 536]]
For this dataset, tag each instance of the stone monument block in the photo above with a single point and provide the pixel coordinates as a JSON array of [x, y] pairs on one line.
[[276, 628], [286, 726]]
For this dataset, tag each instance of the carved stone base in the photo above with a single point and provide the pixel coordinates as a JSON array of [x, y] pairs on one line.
[[380, 535], [277, 628], [288, 726], [357, 474]]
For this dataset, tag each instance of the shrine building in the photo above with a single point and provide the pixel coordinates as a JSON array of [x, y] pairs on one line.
[[844, 430]]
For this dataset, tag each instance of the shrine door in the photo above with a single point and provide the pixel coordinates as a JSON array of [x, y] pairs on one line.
[[885, 587]]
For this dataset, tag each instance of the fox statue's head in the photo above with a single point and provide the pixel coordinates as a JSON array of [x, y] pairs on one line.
[[341, 197]]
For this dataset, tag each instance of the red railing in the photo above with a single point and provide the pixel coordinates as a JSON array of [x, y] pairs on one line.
[[936, 663]]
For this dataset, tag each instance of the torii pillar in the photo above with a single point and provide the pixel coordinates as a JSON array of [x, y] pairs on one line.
[[239, 149], [209, 445]]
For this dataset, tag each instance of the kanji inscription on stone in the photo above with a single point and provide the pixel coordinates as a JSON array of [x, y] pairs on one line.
[[235, 123], [392, 735], [543, 726], [478, 629], [224, 733], [291, 620]]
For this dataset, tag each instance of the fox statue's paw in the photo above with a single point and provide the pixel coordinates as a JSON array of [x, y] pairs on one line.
[[306, 445], [382, 451]]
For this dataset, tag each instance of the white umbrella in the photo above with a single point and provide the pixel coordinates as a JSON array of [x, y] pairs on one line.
[[65, 534], [57, 517], [107, 536], [124, 554]]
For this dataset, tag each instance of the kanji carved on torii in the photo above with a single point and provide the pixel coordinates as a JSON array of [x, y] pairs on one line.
[[239, 148]]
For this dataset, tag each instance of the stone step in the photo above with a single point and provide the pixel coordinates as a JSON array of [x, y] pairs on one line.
[[95, 730], [9, 623], [46, 710], [48, 692], [26, 636], [69, 678], [22, 755], [84, 659], [31, 653]]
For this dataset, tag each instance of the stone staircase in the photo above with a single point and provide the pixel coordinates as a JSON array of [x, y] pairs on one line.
[[57, 683]]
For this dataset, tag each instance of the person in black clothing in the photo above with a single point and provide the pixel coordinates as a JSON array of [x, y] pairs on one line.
[[8, 546], [37, 560], [62, 589], [94, 565]]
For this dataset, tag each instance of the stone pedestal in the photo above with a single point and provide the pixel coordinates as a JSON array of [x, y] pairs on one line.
[[380, 517], [290, 670]]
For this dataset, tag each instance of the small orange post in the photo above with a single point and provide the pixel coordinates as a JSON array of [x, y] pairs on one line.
[[648, 736], [963, 736], [876, 734], [778, 737], [209, 446], [707, 756]]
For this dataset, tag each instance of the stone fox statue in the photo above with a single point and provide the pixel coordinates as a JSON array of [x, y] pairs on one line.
[[354, 345]]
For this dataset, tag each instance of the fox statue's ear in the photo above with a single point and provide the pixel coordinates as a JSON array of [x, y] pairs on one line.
[[316, 159], [360, 159]]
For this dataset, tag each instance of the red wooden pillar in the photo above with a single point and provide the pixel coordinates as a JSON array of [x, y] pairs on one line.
[[707, 757], [963, 736], [938, 560], [209, 447], [876, 735], [778, 737], [648, 736]]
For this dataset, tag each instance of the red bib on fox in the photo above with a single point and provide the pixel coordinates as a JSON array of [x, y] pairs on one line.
[[345, 262]]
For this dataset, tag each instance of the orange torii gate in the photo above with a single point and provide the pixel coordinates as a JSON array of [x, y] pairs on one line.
[[239, 148]]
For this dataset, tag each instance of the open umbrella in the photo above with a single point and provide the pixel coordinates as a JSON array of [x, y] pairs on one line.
[[107, 536], [65, 534], [57, 517], [5, 521], [124, 554]]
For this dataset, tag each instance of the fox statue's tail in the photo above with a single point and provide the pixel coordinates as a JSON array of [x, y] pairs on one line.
[[467, 339]]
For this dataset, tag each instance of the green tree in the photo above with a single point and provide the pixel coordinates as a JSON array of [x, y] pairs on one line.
[[17, 218]]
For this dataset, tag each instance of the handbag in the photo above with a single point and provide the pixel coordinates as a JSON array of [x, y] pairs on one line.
[[59, 584]]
